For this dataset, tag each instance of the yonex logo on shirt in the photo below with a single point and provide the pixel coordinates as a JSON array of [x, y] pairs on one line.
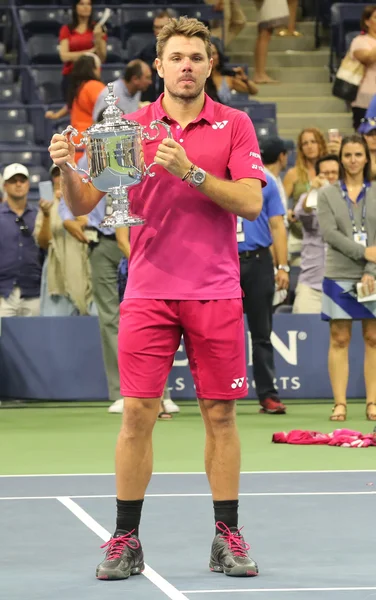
[[219, 124], [237, 383]]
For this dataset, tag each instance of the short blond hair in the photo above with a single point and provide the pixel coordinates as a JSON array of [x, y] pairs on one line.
[[185, 27]]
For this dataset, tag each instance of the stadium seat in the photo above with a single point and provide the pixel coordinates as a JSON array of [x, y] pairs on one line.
[[48, 84], [43, 49], [24, 157], [6, 75], [283, 309], [14, 115], [265, 128], [10, 94], [349, 38], [112, 72], [345, 18], [115, 52], [34, 21], [17, 134], [137, 20], [37, 174], [136, 43]]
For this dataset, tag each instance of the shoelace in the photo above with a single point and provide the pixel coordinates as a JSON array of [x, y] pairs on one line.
[[234, 539], [115, 546]]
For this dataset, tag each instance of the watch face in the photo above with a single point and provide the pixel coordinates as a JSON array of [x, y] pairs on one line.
[[199, 177]]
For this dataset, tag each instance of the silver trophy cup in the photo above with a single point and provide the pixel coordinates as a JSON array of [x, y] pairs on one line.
[[115, 158]]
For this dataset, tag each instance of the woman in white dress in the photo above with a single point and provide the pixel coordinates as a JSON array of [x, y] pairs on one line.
[[271, 14]]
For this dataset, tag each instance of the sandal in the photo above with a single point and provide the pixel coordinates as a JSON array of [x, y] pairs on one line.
[[339, 416], [371, 416], [164, 415]]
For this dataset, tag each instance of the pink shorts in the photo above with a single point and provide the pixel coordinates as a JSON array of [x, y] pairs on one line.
[[150, 333]]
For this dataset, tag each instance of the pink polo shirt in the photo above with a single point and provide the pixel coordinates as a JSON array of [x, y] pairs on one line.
[[187, 250]]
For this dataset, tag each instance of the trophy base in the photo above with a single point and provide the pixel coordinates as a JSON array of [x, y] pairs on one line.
[[121, 219]]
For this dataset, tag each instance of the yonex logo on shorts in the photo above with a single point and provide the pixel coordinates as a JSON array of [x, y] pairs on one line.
[[219, 124], [237, 383]]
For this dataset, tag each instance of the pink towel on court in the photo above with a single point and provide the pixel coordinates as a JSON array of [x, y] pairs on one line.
[[346, 438]]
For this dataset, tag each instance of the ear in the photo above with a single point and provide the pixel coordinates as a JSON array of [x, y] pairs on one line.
[[210, 68], [158, 65]]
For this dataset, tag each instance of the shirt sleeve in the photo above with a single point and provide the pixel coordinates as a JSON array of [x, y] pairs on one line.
[[308, 219], [330, 232], [361, 42], [64, 212], [245, 159], [38, 225], [89, 95], [99, 105], [64, 33], [274, 205]]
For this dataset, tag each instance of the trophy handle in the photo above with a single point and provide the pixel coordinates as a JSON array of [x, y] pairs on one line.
[[68, 132], [147, 136]]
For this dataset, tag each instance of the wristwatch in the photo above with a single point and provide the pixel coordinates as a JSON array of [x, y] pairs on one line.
[[285, 268], [197, 177]]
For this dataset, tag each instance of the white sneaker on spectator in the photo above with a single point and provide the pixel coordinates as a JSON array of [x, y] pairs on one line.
[[117, 406], [169, 406]]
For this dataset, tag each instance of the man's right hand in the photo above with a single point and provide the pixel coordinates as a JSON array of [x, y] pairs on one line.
[[75, 228], [61, 151]]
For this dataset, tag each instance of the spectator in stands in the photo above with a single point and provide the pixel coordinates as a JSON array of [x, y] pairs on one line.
[[84, 88], [368, 129], [66, 276], [311, 146], [363, 48], [347, 218], [234, 20], [227, 81], [271, 14], [20, 258], [137, 78], [81, 35], [149, 53], [258, 283], [274, 156], [308, 294]]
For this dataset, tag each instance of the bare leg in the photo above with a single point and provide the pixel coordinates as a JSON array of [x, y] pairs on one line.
[[293, 7], [134, 452], [338, 363], [369, 335], [261, 52], [222, 448]]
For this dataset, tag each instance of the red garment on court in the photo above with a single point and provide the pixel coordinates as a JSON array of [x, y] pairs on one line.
[[347, 438]]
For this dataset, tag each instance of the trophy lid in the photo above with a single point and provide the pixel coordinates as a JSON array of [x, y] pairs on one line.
[[112, 117]]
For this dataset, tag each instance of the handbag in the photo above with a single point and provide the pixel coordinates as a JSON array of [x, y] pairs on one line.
[[348, 78]]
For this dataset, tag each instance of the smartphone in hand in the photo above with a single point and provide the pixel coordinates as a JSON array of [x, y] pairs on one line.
[[46, 191]]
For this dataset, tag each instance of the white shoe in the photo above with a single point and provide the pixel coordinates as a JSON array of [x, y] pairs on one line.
[[117, 406], [170, 407]]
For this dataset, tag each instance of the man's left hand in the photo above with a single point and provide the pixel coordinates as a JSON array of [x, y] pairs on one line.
[[173, 158], [282, 279]]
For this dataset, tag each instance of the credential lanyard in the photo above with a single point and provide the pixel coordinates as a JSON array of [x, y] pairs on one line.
[[362, 196]]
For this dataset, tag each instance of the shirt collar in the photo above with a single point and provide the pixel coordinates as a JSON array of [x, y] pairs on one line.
[[206, 114], [5, 208]]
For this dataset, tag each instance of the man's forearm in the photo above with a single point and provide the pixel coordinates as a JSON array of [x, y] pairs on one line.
[[80, 197], [279, 236], [234, 196]]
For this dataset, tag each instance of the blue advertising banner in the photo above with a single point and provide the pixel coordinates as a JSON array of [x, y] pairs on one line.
[[60, 359]]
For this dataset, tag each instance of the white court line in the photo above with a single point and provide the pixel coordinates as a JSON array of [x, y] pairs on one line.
[[162, 584], [193, 473], [281, 590], [96, 496]]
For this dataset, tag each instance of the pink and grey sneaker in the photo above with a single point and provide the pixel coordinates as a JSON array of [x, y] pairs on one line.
[[124, 557], [229, 553], [272, 407]]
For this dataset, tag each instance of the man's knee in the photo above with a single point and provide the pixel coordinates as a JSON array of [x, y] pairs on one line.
[[219, 414], [139, 416]]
